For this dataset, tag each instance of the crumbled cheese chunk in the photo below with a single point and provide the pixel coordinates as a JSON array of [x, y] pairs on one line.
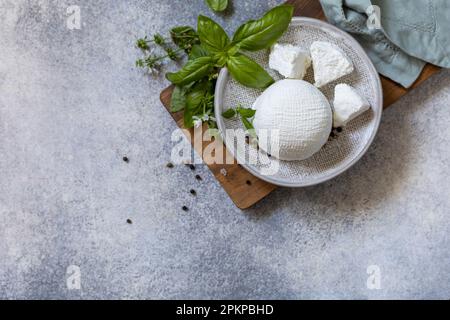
[[348, 104], [330, 63], [290, 61]]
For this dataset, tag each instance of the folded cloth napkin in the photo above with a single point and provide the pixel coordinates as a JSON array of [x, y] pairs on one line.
[[399, 36]]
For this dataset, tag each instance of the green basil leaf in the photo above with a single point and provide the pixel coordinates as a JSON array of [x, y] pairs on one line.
[[221, 58], [184, 37], [217, 5], [194, 99], [194, 70], [199, 94], [187, 118], [233, 50], [246, 113], [198, 51], [194, 102], [263, 33], [249, 126], [230, 113], [178, 100], [212, 36], [248, 73], [199, 100], [204, 86]]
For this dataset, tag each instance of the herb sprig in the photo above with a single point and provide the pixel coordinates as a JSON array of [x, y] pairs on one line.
[[254, 35], [208, 49], [184, 38], [245, 114]]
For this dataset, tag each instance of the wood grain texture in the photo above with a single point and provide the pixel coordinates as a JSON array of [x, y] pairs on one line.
[[243, 188], [307, 8]]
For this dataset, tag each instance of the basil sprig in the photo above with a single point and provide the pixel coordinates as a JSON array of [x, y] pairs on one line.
[[251, 36], [200, 104], [184, 37], [245, 114], [209, 49], [217, 5]]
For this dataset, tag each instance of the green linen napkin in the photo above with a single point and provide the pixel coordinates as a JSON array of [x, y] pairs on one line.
[[399, 36]]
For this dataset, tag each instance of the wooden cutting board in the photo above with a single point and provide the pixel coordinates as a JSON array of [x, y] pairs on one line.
[[242, 187]]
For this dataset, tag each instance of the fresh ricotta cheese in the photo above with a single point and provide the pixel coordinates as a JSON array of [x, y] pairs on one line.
[[329, 62], [290, 61], [294, 118], [347, 105]]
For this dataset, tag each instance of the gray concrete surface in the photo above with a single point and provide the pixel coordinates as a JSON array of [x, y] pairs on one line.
[[72, 104]]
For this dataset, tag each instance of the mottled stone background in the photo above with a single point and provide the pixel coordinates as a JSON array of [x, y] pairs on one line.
[[72, 104]]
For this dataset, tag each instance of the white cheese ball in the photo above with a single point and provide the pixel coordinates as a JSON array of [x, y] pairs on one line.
[[300, 113]]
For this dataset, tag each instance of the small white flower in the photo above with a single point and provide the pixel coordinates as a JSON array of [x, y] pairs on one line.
[[197, 122]]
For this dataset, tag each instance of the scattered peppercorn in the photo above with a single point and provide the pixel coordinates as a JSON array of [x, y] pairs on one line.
[[198, 177], [248, 182], [192, 167], [339, 129], [193, 192], [129, 221], [184, 208], [169, 165], [125, 159]]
